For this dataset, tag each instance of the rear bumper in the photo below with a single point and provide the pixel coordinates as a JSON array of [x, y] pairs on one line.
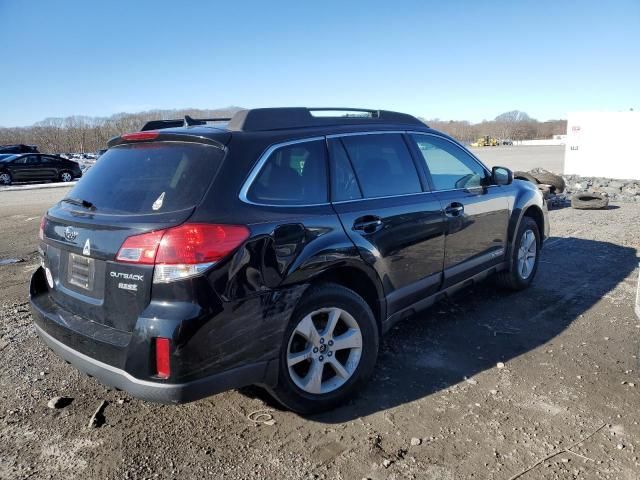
[[155, 391], [124, 360]]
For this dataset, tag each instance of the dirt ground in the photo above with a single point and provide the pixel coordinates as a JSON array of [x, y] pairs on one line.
[[483, 386]]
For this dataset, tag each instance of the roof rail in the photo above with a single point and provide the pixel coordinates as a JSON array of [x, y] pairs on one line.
[[260, 119], [186, 122]]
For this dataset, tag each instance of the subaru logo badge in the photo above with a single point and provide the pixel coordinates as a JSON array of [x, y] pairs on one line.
[[70, 234]]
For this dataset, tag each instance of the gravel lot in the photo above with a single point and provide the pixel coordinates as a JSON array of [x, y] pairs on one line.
[[482, 386], [523, 158]]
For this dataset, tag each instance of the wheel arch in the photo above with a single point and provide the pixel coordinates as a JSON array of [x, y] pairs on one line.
[[535, 212], [528, 203], [364, 283]]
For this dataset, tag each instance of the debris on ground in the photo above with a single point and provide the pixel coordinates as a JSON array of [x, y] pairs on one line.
[[59, 402], [589, 201], [262, 416], [595, 192], [97, 419]]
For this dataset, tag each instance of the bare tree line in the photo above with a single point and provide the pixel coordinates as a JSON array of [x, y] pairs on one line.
[[90, 134], [514, 125]]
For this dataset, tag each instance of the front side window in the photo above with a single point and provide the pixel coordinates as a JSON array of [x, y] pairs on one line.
[[383, 164], [450, 167], [293, 174]]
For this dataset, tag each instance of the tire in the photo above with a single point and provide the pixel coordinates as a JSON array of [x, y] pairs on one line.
[[295, 388], [589, 201], [66, 176], [548, 178], [514, 277], [525, 176], [5, 178], [545, 190]]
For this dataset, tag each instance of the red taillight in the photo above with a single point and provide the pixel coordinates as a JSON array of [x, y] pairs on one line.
[[43, 221], [182, 251], [163, 366], [140, 248], [139, 136], [194, 243]]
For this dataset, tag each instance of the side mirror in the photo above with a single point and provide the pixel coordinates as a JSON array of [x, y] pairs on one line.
[[501, 176]]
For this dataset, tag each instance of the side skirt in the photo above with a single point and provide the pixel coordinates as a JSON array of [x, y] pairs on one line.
[[447, 292]]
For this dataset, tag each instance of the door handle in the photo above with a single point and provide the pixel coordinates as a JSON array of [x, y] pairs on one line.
[[455, 209], [368, 224]]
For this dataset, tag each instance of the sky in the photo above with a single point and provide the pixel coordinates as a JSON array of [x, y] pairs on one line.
[[462, 60]]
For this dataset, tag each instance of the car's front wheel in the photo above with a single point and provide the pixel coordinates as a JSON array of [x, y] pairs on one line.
[[5, 178], [66, 177], [329, 349], [525, 255]]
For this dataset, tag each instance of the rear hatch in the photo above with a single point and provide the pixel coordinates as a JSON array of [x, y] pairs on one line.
[[132, 189]]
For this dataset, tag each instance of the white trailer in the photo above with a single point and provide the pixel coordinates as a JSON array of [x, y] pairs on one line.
[[603, 144]]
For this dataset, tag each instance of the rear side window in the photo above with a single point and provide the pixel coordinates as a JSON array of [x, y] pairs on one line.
[[383, 165], [149, 178], [292, 175]]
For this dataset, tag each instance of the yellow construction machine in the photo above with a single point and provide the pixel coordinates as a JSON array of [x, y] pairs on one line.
[[486, 141]]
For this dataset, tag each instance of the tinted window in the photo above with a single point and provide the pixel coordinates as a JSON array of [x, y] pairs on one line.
[[344, 185], [383, 164], [20, 161], [292, 175], [149, 178], [450, 166]]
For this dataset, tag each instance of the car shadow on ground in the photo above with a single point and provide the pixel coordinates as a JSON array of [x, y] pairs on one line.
[[481, 326]]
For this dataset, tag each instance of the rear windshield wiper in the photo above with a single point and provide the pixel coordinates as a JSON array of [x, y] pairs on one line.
[[79, 202]]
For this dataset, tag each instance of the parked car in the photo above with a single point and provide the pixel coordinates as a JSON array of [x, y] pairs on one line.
[[19, 148], [275, 251], [33, 167]]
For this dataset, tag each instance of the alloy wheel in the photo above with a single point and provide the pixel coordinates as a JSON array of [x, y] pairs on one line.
[[5, 179], [324, 350], [66, 177], [527, 254]]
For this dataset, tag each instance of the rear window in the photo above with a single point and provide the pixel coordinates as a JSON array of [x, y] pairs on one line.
[[149, 178]]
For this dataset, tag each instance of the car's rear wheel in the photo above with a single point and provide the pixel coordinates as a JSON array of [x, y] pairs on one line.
[[329, 349], [523, 263], [66, 177], [5, 178]]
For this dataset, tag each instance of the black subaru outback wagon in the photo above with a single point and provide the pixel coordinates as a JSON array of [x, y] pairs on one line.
[[274, 250]]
